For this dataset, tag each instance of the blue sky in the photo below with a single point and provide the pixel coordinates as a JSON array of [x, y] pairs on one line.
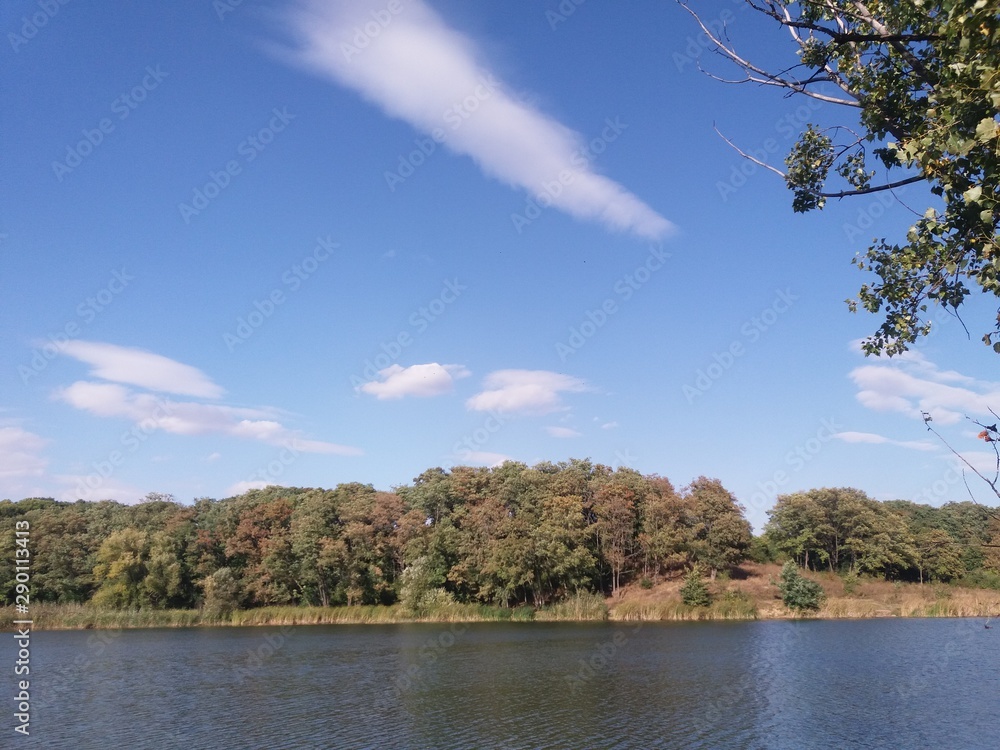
[[293, 243]]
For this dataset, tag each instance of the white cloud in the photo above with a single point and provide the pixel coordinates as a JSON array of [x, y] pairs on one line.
[[562, 432], [524, 391], [609, 426], [984, 461], [417, 380], [20, 456], [151, 413], [873, 439], [93, 487], [911, 384], [419, 70], [131, 366], [213, 456], [470, 458]]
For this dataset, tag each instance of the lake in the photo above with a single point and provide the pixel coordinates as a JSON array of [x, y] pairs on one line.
[[774, 684]]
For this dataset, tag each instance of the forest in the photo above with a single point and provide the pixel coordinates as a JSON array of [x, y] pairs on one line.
[[504, 536]]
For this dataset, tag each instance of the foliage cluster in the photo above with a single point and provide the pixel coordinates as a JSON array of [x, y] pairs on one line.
[[503, 536], [919, 86], [843, 530]]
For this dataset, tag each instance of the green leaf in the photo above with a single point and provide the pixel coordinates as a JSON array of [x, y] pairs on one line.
[[986, 130]]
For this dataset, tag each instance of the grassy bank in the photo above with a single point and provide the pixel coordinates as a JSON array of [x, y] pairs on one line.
[[82, 616], [749, 595]]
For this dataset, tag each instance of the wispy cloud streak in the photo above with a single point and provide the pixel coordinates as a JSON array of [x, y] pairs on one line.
[[416, 68]]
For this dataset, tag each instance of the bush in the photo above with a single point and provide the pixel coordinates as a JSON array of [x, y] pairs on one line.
[[417, 592], [222, 593], [646, 583], [798, 592], [851, 582], [694, 592], [981, 579]]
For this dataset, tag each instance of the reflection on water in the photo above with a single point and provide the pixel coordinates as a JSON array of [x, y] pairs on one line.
[[774, 685]]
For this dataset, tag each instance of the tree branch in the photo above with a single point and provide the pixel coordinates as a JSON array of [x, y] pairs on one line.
[[992, 485], [745, 155], [877, 189], [766, 78]]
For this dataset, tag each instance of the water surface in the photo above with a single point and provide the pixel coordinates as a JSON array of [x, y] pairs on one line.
[[841, 684]]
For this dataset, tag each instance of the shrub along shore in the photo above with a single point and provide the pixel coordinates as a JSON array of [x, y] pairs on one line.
[[753, 595]]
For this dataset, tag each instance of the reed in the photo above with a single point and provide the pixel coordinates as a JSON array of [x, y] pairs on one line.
[[752, 598], [581, 607]]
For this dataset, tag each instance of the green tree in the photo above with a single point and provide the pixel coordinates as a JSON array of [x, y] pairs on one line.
[[797, 591], [260, 549], [315, 533], [841, 527], [121, 569], [694, 592], [164, 582], [222, 592], [798, 527], [664, 537], [562, 562], [923, 82], [615, 522], [938, 556], [721, 535]]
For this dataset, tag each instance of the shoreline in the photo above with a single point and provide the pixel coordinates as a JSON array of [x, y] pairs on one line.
[[751, 596], [70, 617]]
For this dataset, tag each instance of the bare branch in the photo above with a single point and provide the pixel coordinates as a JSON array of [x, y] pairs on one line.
[[745, 155], [765, 77], [992, 485]]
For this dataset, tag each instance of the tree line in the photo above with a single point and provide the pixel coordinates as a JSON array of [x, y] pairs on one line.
[[844, 530], [505, 536]]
